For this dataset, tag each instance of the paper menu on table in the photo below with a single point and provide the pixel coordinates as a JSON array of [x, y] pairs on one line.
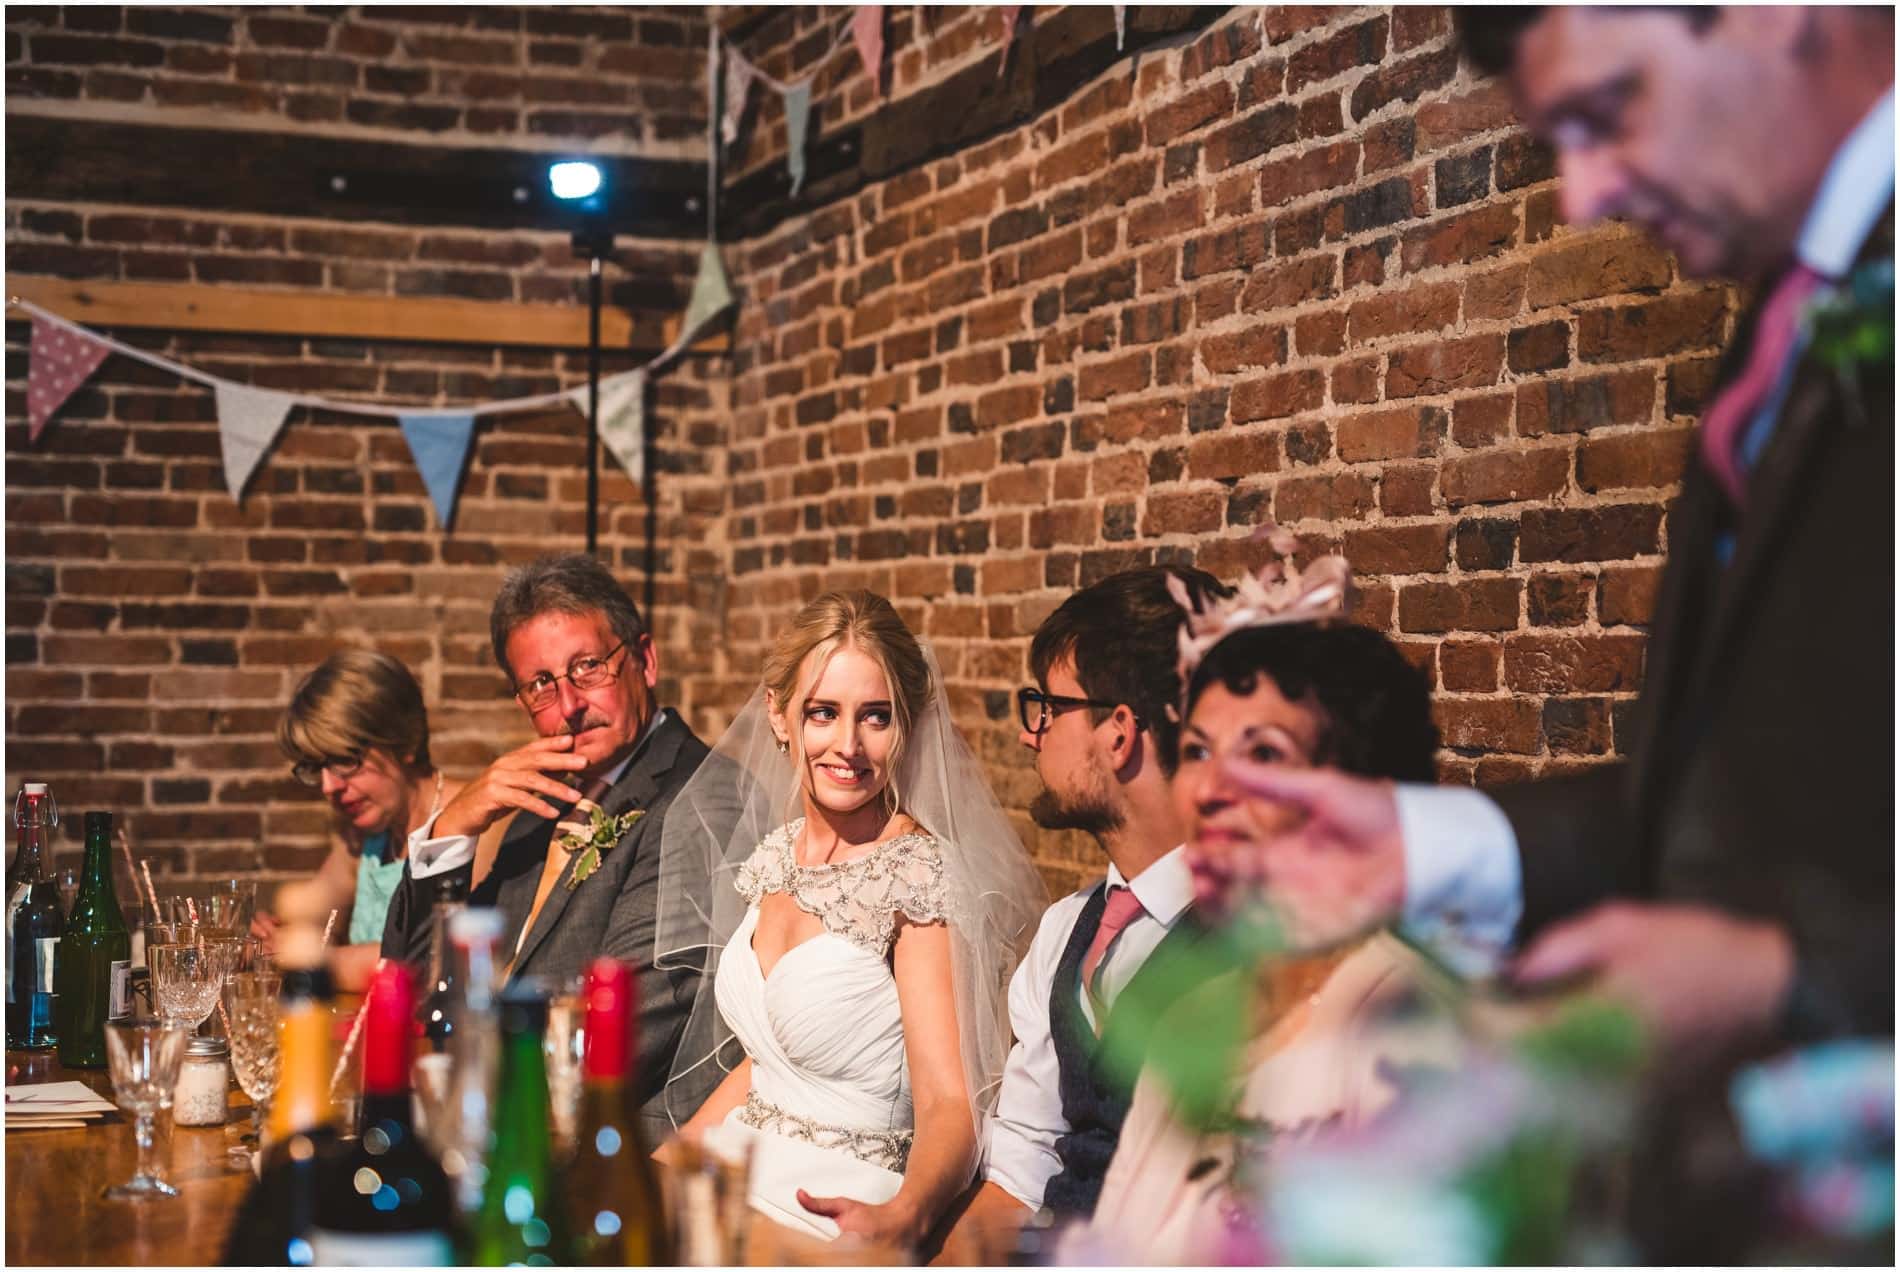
[[68, 1099]]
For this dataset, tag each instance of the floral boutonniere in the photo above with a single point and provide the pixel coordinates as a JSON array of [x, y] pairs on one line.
[[1850, 324], [590, 840]]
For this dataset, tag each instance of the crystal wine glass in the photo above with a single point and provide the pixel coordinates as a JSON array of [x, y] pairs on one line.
[[144, 1053], [251, 999], [186, 978]]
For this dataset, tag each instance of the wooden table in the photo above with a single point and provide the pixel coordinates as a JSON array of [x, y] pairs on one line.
[[55, 1214]]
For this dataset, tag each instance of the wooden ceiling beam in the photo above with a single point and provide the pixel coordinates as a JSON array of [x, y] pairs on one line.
[[196, 307]]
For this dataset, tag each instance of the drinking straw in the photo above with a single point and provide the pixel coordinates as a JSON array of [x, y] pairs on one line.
[[356, 1031], [328, 924]]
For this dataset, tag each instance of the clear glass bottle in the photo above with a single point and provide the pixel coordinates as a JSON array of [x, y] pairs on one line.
[[474, 1045], [35, 923]]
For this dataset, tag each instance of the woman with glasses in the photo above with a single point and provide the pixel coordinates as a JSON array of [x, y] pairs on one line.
[[356, 730]]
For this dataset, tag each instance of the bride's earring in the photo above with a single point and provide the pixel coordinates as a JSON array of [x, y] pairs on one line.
[[784, 747]]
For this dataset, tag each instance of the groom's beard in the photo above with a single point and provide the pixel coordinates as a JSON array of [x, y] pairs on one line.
[[1051, 812], [1091, 811]]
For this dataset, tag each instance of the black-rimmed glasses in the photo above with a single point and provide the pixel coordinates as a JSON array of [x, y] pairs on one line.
[[341, 767], [586, 672], [1039, 710]]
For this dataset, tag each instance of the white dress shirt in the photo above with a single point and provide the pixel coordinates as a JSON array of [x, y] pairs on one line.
[[1464, 886], [1020, 1153], [429, 856]]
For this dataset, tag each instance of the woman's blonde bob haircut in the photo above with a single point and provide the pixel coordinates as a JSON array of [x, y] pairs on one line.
[[354, 700], [858, 620]]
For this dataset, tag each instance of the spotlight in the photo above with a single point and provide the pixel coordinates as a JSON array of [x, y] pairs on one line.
[[574, 179]]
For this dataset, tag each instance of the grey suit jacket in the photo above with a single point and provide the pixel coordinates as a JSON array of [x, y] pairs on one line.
[[612, 912]]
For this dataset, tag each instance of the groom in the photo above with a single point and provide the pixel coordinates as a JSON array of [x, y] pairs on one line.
[[583, 666], [1099, 722]]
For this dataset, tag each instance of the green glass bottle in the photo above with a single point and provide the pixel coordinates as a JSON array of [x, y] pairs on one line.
[[95, 957], [520, 1221]]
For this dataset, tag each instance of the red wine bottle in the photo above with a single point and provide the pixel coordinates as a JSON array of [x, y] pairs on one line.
[[382, 1200]]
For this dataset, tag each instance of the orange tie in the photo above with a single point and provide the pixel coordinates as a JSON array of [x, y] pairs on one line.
[[558, 858]]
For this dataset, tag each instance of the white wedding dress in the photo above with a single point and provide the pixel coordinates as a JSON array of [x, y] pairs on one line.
[[829, 1110]]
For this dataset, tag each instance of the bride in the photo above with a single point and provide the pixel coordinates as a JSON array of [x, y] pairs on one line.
[[865, 916]]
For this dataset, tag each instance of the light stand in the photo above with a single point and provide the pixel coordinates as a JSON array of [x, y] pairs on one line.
[[595, 243], [579, 185]]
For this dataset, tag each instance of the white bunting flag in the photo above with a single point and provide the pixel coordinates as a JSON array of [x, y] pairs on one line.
[[739, 75], [623, 415], [248, 422], [59, 360], [1121, 27], [797, 121]]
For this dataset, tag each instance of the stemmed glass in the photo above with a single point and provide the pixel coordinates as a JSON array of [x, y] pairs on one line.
[[186, 976], [251, 1000], [144, 1053]]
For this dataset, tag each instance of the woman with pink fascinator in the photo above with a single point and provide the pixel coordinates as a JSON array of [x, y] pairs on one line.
[[1275, 674]]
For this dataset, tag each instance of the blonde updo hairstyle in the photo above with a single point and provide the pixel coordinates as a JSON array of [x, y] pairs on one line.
[[858, 620]]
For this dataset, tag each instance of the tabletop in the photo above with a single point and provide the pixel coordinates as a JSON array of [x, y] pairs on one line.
[[56, 1215]]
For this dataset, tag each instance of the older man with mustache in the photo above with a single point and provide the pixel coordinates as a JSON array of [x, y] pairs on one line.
[[584, 668]]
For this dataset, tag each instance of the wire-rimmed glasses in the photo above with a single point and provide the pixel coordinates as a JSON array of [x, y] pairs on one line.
[[251, 1001], [585, 672], [144, 1053]]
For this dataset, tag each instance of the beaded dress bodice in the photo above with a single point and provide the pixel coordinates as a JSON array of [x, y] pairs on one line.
[[824, 1030]]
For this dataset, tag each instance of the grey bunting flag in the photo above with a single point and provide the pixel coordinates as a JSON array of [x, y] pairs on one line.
[[797, 122]]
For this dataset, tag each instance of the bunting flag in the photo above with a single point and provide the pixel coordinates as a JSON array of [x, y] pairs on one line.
[[712, 294], [739, 75], [867, 28], [623, 421], [60, 359], [439, 445], [797, 120], [1121, 27], [1010, 13], [248, 422]]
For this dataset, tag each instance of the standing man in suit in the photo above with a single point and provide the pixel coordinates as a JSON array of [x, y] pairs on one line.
[[1733, 879], [1100, 722], [584, 667]]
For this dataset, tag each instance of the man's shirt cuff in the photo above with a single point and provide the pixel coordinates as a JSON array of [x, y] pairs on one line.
[[429, 857], [1464, 889]]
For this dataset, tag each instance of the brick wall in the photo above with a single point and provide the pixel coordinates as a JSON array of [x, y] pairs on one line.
[[621, 79], [155, 627], [1302, 267]]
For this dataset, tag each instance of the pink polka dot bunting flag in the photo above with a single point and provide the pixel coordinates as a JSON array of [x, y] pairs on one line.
[[59, 361]]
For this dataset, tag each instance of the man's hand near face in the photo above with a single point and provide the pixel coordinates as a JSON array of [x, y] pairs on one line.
[[1705, 983], [1339, 872], [528, 778]]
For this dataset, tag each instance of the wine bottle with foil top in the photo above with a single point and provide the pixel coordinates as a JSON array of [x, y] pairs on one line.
[[273, 1224], [93, 970], [614, 1199], [382, 1200], [35, 923]]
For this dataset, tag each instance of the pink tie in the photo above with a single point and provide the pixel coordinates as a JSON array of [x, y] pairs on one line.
[[1121, 909], [1728, 415]]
